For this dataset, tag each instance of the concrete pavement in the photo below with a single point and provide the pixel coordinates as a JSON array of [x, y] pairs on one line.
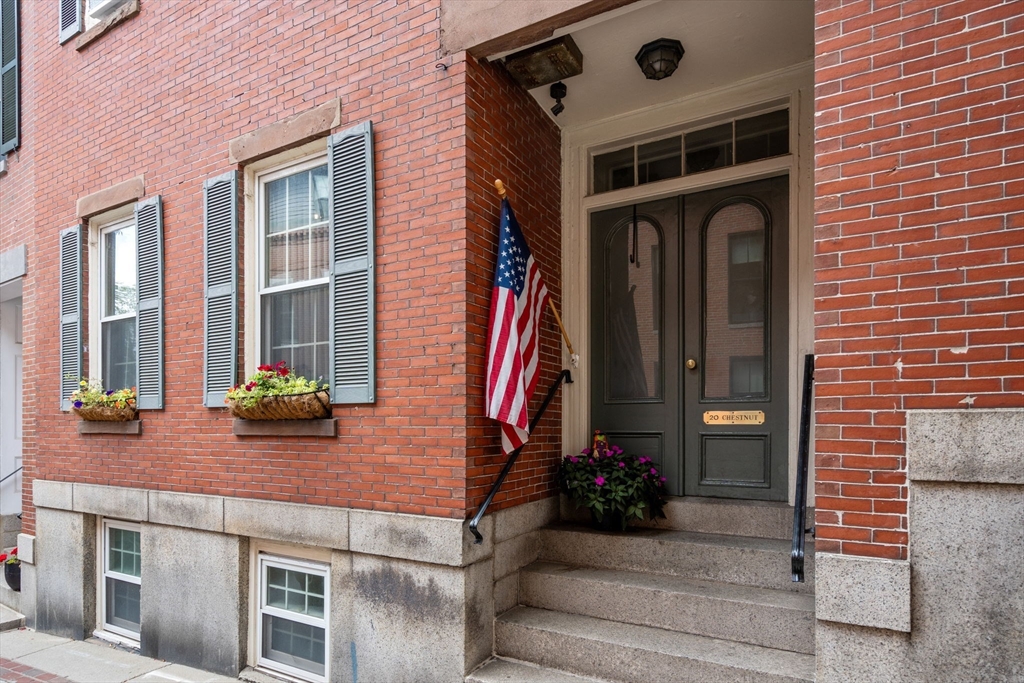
[[30, 657]]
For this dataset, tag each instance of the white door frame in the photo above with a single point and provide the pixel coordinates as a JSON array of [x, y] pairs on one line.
[[794, 85], [11, 400]]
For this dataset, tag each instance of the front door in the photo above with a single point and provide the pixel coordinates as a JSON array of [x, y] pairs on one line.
[[690, 337]]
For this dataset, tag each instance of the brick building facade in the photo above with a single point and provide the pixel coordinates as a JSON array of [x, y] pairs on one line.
[[902, 244]]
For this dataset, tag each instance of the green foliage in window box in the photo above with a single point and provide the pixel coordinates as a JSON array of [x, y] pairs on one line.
[[276, 393], [94, 403]]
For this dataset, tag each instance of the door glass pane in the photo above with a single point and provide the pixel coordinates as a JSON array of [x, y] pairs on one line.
[[735, 303], [633, 316]]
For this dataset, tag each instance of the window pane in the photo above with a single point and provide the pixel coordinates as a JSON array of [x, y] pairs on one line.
[[613, 170], [119, 286], [123, 605], [295, 325], [277, 205], [297, 241], [709, 148], [734, 303], [321, 194], [760, 137], [118, 337], [294, 644], [277, 260], [125, 552], [660, 160], [298, 200], [633, 343]]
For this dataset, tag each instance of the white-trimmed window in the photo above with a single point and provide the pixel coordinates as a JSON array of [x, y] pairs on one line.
[[122, 578], [292, 624], [118, 296], [294, 267]]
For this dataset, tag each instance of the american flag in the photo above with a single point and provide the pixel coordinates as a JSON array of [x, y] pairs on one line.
[[517, 302]]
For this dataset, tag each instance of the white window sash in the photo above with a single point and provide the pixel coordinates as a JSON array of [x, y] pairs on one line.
[[96, 360], [108, 524], [266, 561]]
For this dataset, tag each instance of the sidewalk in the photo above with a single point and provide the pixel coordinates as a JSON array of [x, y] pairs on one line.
[[30, 657]]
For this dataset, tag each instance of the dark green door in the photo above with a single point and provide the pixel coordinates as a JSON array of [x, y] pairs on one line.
[[697, 280], [736, 338], [635, 322]]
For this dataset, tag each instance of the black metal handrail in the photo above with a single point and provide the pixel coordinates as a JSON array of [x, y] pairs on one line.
[[565, 376], [800, 529], [11, 474]]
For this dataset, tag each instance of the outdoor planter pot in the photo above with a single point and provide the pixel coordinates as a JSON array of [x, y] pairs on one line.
[[308, 406], [12, 574]]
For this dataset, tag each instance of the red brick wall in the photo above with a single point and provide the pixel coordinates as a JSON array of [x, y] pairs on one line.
[[161, 95], [509, 137], [919, 241]]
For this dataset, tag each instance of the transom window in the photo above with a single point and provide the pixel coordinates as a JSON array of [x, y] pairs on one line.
[[295, 268], [293, 629], [734, 142], [122, 578], [119, 296]]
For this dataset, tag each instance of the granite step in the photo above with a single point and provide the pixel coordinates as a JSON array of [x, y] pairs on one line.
[[628, 653], [742, 560], [754, 518], [783, 620], [9, 619], [499, 670]]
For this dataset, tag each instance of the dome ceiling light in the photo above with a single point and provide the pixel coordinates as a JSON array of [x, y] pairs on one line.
[[658, 59]]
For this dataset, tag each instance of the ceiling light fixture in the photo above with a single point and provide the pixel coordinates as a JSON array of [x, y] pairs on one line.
[[658, 59]]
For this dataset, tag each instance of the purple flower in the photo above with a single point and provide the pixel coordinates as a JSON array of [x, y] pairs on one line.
[[616, 450], [654, 471], [110, 392], [573, 458], [590, 460], [599, 481], [78, 404], [585, 451], [663, 480], [622, 464], [643, 459]]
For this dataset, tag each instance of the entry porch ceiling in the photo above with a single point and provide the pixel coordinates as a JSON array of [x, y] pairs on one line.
[[725, 41]]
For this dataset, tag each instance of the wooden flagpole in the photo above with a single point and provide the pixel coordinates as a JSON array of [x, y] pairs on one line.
[[500, 187]]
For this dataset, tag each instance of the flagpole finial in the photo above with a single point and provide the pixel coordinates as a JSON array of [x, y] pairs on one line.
[[500, 187]]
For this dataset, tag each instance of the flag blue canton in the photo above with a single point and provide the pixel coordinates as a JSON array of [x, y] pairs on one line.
[[512, 253]]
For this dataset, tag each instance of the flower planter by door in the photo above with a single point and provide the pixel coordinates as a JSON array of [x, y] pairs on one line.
[[12, 574]]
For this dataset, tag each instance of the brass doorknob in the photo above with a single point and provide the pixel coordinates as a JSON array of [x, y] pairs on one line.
[[691, 364]]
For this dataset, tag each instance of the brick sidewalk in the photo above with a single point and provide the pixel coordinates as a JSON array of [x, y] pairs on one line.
[[13, 672]]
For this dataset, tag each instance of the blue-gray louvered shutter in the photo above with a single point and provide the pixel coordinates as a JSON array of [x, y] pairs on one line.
[[8, 75], [350, 165], [70, 19], [70, 313], [220, 221], [149, 334]]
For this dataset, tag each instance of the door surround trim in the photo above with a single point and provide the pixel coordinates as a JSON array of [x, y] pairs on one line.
[[794, 84]]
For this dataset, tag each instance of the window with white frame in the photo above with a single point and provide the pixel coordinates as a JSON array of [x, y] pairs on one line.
[[292, 624], [118, 295], [294, 265], [122, 578]]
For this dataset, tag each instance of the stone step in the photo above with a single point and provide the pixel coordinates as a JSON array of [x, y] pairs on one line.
[[777, 619], [742, 560], [499, 670], [9, 619], [626, 652], [754, 518]]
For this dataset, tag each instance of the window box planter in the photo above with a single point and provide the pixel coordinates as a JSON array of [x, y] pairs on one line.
[[309, 406], [106, 413]]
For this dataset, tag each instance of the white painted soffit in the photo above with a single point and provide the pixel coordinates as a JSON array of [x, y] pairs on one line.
[[726, 41]]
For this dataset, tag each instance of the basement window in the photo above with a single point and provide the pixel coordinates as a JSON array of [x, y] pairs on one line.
[[738, 141], [122, 578], [292, 624]]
